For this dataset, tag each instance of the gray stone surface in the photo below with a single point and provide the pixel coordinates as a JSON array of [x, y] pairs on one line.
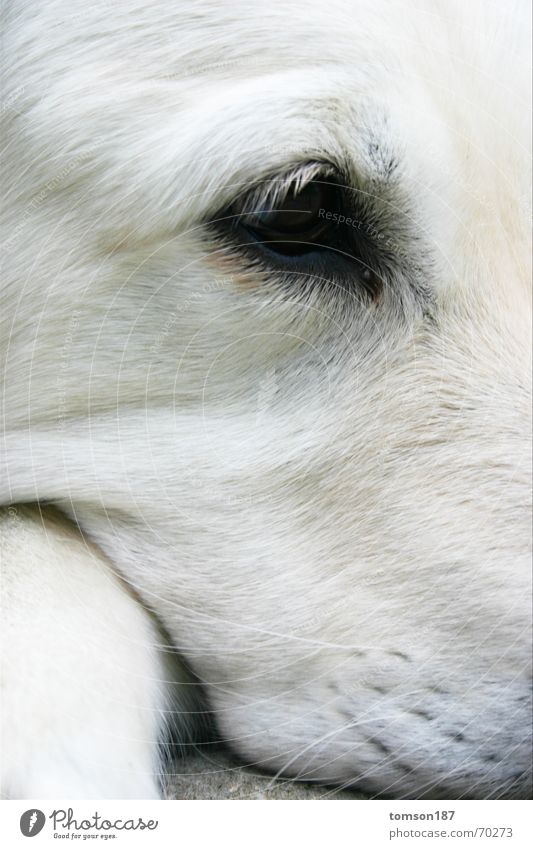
[[214, 775]]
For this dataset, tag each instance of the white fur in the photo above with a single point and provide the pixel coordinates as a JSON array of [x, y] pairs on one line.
[[84, 670], [325, 507]]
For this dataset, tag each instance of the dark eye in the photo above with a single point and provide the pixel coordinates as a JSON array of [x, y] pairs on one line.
[[293, 225], [307, 227]]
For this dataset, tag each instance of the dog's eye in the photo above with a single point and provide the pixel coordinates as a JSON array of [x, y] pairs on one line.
[[293, 225], [308, 230]]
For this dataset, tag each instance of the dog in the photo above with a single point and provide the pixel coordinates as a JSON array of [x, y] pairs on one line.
[[266, 350]]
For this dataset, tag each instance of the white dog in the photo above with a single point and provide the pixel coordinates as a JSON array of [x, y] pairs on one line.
[[266, 344]]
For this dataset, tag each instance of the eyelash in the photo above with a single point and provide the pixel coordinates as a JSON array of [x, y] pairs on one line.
[[274, 190]]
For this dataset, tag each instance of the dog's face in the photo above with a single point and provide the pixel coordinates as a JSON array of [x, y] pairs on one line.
[[269, 295]]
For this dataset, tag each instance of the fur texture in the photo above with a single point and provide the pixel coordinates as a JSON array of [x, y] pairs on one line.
[[323, 500]]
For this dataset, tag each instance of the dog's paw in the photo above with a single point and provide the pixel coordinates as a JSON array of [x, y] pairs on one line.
[[87, 681]]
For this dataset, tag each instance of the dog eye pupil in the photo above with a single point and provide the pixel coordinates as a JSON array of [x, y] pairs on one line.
[[296, 213], [295, 220]]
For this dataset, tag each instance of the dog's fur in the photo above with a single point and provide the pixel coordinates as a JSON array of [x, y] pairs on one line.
[[322, 499]]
